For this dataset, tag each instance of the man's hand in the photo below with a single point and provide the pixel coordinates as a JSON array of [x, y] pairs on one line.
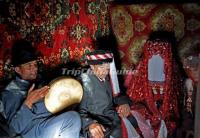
[[96, 130], [35, 95], [124, 110]]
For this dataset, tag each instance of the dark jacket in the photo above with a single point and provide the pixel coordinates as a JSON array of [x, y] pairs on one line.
[[18, 116], [98, 103]]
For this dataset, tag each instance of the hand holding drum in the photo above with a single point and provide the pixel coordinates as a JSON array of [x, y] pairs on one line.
[[63, 92]]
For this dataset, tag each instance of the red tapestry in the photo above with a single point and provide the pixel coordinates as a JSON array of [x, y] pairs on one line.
[[60, 30], [133, 23], [65, 30]]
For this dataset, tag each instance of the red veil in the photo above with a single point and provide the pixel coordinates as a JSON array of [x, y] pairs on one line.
[[148, 95]]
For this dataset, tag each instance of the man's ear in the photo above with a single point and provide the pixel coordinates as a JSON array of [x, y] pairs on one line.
[[92, 67], [17, 69]]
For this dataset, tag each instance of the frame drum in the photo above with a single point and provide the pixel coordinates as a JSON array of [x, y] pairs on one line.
[[63, 92]]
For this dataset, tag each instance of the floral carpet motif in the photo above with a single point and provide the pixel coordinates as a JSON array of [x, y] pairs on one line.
[[169, 18], [122, 25], [61, 31], [183, 19]]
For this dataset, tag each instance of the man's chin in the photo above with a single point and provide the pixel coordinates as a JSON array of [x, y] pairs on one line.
[[33, 78], [102, 77]]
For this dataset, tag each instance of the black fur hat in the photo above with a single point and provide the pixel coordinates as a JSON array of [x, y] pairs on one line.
[[22, 52], [165, 36]]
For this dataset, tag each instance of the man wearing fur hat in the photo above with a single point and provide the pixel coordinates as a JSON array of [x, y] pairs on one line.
[[97, 109], [24, 107]]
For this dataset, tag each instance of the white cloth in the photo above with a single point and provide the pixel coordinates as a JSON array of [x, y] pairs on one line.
[[132, 133], [144, 125], [163, 130], [114, 78], [156, 69]]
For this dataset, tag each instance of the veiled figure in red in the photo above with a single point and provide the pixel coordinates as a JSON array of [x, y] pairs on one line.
[[153, 87]]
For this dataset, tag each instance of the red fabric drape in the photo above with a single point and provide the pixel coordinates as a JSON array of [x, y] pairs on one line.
[[140, 89]]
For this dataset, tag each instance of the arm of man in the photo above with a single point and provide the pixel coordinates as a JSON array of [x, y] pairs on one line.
[[35, 95], [89, 124], [17, 114], [95, 129]]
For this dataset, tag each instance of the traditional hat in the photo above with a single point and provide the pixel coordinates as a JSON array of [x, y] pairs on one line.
[[22, 52], [163, 36], [99, 57]]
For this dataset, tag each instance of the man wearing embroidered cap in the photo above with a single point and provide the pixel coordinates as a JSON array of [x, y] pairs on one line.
[[97, 109]]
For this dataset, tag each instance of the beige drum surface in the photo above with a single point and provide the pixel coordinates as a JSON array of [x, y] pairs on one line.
[[63, 92]]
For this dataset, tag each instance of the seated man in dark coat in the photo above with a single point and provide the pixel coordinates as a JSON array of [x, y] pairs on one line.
[[97, 109], [24, 108]]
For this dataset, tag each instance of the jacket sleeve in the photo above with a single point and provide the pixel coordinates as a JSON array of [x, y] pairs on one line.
[[17, 114], [84, 113], [85, 103]]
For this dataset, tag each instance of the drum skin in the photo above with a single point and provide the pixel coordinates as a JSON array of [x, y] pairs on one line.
[[63, 92]]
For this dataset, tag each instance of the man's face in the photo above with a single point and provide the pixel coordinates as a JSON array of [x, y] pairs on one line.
[[28, 71], [101, 71], [192, 69], [193, 73]]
